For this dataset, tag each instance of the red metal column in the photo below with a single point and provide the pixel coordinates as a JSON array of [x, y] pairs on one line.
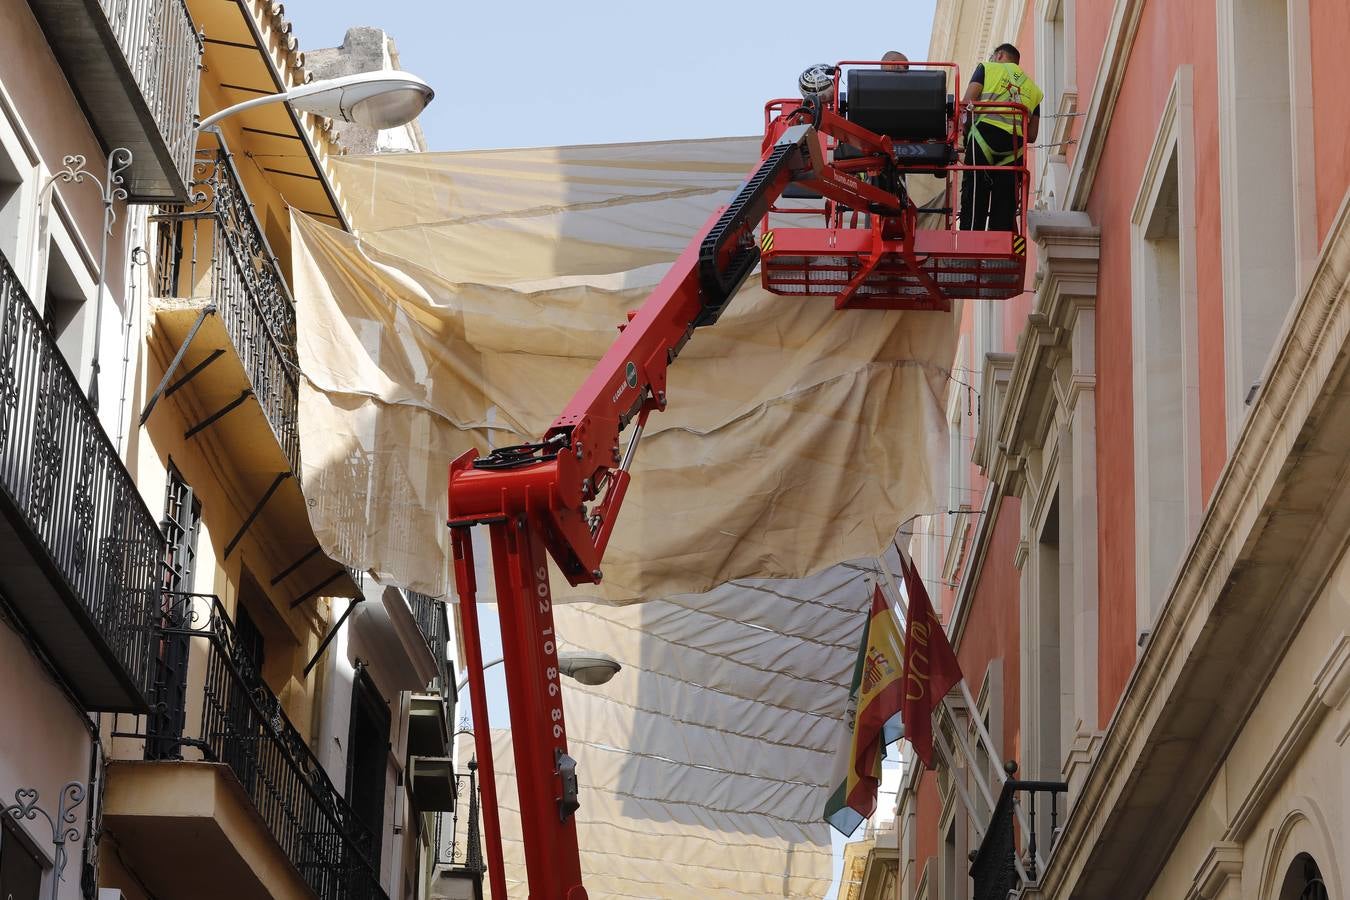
[[539, 735], [462, 546]]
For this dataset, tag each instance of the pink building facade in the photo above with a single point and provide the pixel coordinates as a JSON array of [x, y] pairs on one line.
[[1145, 589]]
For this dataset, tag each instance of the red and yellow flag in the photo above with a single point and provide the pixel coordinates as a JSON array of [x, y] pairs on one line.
[[930, 667], [872, 719]]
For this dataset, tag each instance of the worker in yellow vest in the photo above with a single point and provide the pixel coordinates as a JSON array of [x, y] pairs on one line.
[[989, 199]]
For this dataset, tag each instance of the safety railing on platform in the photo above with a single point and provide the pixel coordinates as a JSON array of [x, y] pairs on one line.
[[993, 871], [164, 51], [214, 248], [459, 846], [243, 726], [64, 479]]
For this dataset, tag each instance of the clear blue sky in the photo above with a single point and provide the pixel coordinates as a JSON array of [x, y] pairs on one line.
[[533, 73], [536, 73]]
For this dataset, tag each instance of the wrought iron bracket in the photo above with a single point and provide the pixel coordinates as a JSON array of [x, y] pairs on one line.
[[110, 191], [218, 414], [195, 371], [315, 590], [332, 633], [65, 826], [253, 516], [309, 554], [161, 391]]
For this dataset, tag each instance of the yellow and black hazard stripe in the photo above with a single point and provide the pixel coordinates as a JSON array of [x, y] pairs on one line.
[[766, 242], [1019, 245]]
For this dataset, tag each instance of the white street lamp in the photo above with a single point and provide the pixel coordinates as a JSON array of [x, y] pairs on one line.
[[587, 668], [376, 100]]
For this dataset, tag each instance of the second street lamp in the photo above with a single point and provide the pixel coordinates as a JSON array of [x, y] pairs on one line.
[[586, 668]]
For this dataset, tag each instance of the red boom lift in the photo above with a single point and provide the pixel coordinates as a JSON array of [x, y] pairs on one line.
[[839, 163]]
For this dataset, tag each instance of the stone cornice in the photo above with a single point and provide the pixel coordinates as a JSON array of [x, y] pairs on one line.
[[1222, 862], [1275, 527]]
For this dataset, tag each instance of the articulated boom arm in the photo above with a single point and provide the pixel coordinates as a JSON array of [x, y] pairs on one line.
[[572, 482], [561, 496]]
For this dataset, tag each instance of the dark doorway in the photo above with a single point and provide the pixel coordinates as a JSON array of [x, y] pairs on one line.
[[368, 760], [252, 647], [168, 699], [20, 869]]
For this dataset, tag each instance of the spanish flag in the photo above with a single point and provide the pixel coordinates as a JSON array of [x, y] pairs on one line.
[[872, 719]]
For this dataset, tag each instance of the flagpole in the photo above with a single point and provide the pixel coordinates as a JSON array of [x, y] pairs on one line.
[[979, 725], [885, 572], [969, 755], [941, 748], [983, 732]]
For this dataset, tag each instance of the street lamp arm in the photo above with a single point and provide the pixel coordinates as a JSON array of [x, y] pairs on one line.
[[462, 678], [240, 107]]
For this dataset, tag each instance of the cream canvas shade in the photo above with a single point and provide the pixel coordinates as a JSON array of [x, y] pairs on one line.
[[478, 296], [479, 293]]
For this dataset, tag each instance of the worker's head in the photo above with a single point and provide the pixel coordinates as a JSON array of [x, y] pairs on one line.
[[895, 61], [1006, 53]]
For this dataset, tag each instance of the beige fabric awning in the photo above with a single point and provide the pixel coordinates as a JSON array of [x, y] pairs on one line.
[[480, 292], [482, 289]]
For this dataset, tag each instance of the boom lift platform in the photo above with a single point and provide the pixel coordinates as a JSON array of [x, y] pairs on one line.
[[848, 163]]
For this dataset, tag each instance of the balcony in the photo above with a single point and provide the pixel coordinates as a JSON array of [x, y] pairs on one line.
[[1000, 864], [431, 713], [133, 64], [459, 849], [227, 777], [225, 323], [79, 551]]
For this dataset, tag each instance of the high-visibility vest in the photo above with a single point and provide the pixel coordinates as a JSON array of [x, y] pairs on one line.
[[1007, 83]]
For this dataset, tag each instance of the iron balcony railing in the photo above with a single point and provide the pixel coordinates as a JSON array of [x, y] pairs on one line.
[[64, 479], [164, 51], [993, 871], [215, 249], [435, 627], [243, 726], [458, 845]]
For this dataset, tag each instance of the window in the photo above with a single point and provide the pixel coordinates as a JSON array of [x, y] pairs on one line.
[[182, 521], [1269, 234], [1163, 487], [950, 869], [1165, 359], [961, 427], [1304, 881], [11, 207], [1047, 670], [1054, 72], [20, 867], [67, 310], [1055, 56]]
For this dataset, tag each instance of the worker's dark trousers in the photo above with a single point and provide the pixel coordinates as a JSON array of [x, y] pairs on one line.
[[988, 199]]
